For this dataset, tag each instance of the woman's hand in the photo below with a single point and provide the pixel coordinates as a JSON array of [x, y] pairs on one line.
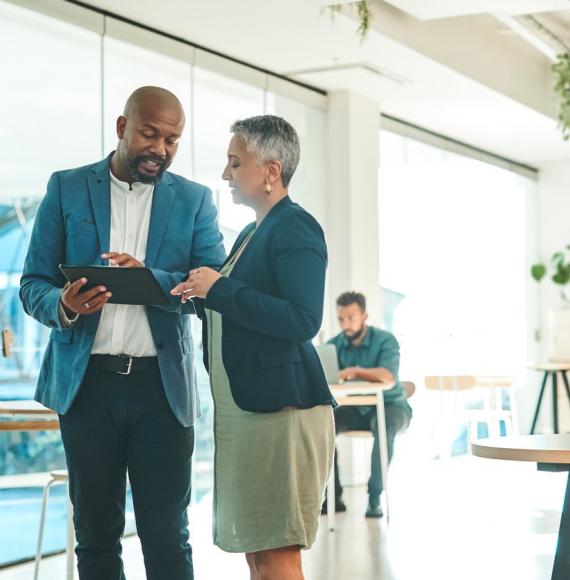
[[198, 284]]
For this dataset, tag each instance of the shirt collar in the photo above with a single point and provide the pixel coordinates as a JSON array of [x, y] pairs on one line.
[[365, 343], [368, 338], [136, 187]]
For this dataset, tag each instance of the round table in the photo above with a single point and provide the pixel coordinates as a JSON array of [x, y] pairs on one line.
[[550, 453]]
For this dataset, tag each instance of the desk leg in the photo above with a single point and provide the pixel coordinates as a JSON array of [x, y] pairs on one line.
[[383, 449], [561, 569], [539, 402], [566, 386], [555, 401], [70, 551], [331, 501]]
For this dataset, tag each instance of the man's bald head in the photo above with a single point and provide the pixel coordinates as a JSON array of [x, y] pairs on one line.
[[149, 131], [144, 98]]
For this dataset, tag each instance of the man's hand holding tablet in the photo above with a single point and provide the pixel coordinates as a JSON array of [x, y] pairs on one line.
[[88, 302]]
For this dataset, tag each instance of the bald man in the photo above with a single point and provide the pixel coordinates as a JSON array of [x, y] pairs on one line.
[[121, 376]]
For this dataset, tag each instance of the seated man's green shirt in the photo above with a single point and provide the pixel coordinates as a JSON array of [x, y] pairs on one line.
[[379, 349]]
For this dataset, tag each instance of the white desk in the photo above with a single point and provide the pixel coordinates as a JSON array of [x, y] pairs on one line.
[[362, 393]]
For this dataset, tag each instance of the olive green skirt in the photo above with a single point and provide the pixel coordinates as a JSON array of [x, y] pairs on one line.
[[270, 469]]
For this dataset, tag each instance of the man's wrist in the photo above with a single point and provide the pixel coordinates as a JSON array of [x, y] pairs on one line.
[[67, 317], [69, 313]]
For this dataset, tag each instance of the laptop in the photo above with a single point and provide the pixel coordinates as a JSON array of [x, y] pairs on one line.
[[329, 361]]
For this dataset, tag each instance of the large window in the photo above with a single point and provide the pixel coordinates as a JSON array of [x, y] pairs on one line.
[[61, 99], [51, 102], [455, 237], [310, 178], [127, 67], [454, 246], [218, 102]]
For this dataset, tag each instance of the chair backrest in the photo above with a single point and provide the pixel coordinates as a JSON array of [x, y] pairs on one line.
[[410, 388], [450, 382], [498, 382]]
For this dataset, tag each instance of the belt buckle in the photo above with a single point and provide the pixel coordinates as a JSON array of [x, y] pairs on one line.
[[129, 366]]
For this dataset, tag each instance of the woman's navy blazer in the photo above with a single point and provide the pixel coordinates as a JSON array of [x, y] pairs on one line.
[[272, 307]]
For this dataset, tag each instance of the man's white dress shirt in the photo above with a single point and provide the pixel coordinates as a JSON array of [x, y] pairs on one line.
[[124, 329]]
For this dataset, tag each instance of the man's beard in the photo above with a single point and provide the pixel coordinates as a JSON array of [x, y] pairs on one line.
[[133, 165], [354, 337]]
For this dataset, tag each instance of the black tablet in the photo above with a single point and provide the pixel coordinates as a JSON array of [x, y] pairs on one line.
[[128, 285]]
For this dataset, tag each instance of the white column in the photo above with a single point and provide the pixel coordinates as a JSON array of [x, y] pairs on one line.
[[352, 221], [352, 230]]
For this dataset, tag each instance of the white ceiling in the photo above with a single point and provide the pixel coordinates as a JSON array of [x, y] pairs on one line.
[[431, 9], [292, 36], [558, 23]]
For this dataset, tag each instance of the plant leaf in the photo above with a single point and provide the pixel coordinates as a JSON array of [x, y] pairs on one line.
[[538, 271], [557, 259]]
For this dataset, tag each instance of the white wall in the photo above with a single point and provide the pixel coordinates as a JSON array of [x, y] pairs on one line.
[[553, 214], [553, 226], [352, 230]]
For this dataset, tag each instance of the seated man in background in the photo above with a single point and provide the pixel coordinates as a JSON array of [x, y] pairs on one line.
[[366, 353]]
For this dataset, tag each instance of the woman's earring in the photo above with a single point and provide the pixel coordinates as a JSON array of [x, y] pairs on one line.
[[268, 189]]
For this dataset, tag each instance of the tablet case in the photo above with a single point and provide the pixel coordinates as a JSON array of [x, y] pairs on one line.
[[128, 285]]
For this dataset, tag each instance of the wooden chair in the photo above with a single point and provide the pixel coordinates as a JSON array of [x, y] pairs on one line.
[[451, 389]]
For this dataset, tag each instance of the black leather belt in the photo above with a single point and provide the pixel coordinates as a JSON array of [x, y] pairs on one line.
[[123, 364]]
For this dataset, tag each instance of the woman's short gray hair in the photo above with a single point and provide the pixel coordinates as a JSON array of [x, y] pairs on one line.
[[271, 138]]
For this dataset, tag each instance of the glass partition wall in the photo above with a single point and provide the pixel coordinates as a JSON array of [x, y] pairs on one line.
[[61, 97]]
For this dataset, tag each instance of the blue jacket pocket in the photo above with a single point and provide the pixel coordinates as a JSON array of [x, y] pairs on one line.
[[61, 335]]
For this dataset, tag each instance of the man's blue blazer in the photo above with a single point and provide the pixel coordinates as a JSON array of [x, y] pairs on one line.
[[73, 227]]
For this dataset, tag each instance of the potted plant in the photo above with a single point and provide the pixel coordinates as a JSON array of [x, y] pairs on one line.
[[558, 318]]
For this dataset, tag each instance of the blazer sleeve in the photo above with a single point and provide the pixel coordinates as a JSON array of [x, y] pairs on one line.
[[207, 250], [299, 258], [42, 281]]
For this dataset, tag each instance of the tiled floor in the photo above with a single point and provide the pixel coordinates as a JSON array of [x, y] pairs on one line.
[[459, 519]]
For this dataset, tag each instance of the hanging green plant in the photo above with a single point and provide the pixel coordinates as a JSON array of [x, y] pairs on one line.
[[561, 70], [364, 15]]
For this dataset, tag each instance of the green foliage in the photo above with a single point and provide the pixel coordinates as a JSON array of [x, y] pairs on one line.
[[559, 270], [538, 271], [364, 15], [561, 70]]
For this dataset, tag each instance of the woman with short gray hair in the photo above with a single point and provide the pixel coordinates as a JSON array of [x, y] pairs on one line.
[[273, 418]]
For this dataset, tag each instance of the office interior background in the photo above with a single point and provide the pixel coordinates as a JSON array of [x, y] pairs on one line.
[[432, 155]]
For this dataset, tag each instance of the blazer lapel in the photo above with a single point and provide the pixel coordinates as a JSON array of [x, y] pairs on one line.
[[239, 241], [162, 200], [99, 185], [271, 216]]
